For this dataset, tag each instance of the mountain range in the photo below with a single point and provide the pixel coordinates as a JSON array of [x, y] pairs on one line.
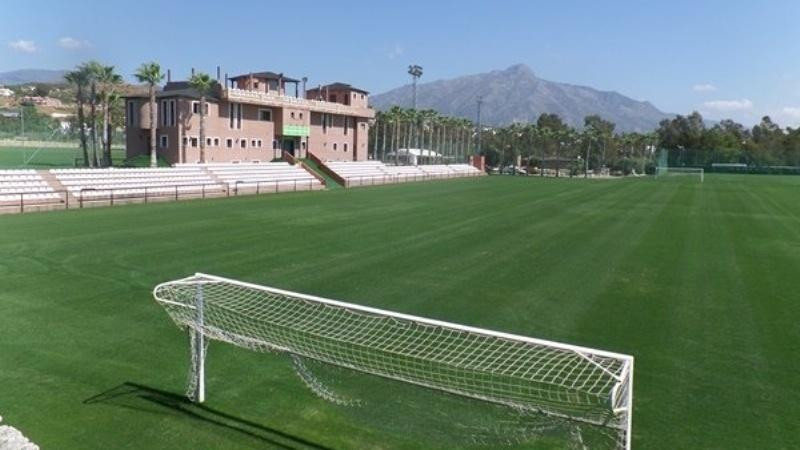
[[24, 76], [516, 94]]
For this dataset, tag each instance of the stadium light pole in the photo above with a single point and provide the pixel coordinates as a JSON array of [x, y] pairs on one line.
[[22, 120], [415, 71], [478, 131]]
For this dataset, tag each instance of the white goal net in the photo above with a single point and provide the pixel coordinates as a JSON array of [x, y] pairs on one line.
[[541, 379], [663, 172]]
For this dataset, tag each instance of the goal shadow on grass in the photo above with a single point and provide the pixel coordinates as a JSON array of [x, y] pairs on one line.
[[144, 398]]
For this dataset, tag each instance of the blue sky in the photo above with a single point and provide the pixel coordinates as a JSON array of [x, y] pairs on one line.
[[737, 59]]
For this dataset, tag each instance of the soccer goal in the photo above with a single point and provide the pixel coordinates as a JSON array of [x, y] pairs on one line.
[[579, 385], [662, 172]]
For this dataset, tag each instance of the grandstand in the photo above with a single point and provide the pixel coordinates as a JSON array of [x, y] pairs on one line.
[[32, 190], [19, 187], [278, 176], [27, 190], [367, 173]]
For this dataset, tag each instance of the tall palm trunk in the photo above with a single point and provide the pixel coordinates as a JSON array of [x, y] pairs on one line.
[[106, 137], [152, 106], [396, 145], [109, 162], [203, 129], [82, 126], [93, 118], [383, 144]]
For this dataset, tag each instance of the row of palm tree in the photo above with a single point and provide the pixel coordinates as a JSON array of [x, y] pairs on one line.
[[448, 138], [98, 86], [547, 142]]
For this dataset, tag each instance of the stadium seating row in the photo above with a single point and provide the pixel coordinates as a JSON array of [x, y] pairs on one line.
[[375, 172], [26, 186]]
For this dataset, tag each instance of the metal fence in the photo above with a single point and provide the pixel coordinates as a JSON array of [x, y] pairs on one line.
[[123, 195]]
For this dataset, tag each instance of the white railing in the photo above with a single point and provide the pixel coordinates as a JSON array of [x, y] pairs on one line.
[[285, 100]]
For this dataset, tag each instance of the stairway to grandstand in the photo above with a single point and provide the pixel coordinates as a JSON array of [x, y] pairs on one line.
[[366, 173], [261, 177], [25, 187]]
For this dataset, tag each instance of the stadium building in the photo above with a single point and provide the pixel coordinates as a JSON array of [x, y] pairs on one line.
[[253, 117]]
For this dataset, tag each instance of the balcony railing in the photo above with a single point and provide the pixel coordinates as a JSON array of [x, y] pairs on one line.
[[269, 99]]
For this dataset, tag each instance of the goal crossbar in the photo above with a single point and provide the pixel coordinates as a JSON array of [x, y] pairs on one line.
[[557, 379], [663, 171]]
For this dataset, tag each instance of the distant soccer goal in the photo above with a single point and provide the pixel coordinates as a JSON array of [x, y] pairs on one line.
[[663, 172], [545, 380]]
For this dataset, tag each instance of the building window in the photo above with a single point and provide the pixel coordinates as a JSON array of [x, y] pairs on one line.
[[253, 143], [346, 124], [163, 141], [185, 141], [332, 98], [166, 112], [208, 142], [291, 114], [256, 84], [235, 113], [196, 108], [131, 113], [303, 145], [243, 143], [229, 143], [265, 115], [258, 143], [216, 142], [274, 144], [362, 96], [327, 121], [334, 146], [345, 147], [301, 115], [194, 142]]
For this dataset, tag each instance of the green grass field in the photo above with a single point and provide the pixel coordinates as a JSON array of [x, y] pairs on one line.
[[697, 281], [34, 157]]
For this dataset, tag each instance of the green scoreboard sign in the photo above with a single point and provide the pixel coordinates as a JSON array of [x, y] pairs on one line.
[[296, 130]]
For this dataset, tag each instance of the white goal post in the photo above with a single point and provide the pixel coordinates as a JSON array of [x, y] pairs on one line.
[[559, 380], [679, 171]]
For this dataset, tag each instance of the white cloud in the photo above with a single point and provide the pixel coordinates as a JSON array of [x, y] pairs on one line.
[[395, 52], [704, 87], [70, 43], [792, 112], [23, 46], [729, 105]]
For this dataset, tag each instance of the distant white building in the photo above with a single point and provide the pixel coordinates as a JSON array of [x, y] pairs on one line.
[[415, 156], [6, 92]]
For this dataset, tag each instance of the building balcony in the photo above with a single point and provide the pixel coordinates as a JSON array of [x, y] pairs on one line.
[[285, 101]]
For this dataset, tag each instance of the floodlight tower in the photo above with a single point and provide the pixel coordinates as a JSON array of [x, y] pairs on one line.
[[478, 131], [415, 71]]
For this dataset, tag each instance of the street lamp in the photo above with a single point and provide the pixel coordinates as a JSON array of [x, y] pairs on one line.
[[415, 71]]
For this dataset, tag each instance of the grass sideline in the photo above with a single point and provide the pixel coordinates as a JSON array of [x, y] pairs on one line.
[[697, 281], [47, 157]]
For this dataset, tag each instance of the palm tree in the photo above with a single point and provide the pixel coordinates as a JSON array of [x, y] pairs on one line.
[[545, 134], [80, 79], [203, 84], [109, 81], [151, 74], [93, 70]]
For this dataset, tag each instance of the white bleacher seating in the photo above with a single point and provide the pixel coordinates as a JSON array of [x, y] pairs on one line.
[[266, 176], [88, 183], [26, 186], [358, 173]]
